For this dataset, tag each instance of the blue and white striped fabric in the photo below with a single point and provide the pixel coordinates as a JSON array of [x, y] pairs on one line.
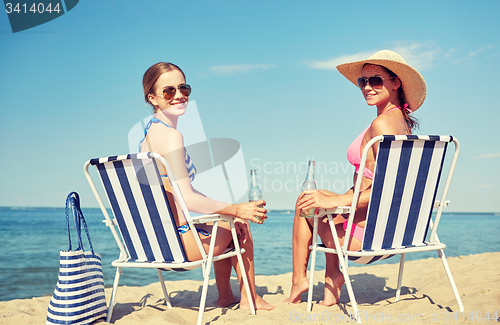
[[406, 177], [140, 205], [79, 294], [191, 168]]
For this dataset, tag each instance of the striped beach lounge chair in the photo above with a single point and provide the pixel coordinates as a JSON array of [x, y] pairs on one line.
[[405, 184], [143, 217]]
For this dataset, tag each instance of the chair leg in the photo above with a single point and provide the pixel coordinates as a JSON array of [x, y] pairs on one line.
[[206, 273], [311, 280], [204, 293], [164, 288], [348, 285], [343, 260], [450, 278], [113, 294], [245, 283], [313, 265], [242, 269], [400, 276]]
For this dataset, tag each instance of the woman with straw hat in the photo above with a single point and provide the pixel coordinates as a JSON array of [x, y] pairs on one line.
[[396, 89]]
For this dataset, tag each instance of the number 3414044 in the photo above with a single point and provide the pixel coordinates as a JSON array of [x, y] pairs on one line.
[[36, 8], [474, 316]]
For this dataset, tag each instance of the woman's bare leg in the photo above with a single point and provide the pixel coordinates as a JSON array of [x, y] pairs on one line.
[[222, 270], [301, 240], [334, 279], [248, 262]]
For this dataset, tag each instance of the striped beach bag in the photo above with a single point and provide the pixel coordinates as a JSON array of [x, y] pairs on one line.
[[79, 294]]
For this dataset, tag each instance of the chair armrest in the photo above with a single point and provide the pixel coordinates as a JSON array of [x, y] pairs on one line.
[[112, 223], [337, 210], [200, 219], [437, 202]]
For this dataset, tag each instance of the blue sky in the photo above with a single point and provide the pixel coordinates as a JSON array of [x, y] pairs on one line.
[[262, 72]]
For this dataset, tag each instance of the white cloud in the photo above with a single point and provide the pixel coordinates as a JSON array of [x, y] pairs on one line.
[[489, 155], [472, 54], [418, 55], [485, 186], [238, 68], [332, 63]]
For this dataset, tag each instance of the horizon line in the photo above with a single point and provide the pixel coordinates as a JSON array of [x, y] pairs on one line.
[[270, 209]]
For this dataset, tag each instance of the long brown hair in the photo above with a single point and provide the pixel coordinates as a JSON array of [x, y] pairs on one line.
[[153, 73], [411, 121]]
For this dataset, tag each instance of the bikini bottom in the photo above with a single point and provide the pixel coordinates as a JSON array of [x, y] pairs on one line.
[[185, 228], [356, 231]]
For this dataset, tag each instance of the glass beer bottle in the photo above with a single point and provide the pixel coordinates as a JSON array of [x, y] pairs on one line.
[[255, 193], [309, 184]]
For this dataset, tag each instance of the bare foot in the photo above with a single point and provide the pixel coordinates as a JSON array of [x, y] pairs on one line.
[[260, 304], [333, 286], [298, 288], [226, 301]]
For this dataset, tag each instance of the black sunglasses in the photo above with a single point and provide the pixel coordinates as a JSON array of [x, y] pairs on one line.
[[169, 92], [374, 81]]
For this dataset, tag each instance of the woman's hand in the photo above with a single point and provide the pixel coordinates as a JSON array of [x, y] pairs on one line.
[[316, 199], [251, 211]]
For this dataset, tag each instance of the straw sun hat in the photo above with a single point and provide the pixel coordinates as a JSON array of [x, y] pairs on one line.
[[413, 83]]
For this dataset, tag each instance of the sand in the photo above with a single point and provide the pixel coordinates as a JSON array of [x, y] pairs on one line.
[[426, 297]]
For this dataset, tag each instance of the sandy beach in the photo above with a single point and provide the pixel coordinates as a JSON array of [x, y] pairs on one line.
[[426, 297]]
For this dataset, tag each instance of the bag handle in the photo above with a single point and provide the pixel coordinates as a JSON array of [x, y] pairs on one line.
[[73, 201]]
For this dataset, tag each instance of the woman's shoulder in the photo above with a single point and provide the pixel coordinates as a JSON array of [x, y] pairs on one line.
[[164, 136], [386, 124], [381, 123]]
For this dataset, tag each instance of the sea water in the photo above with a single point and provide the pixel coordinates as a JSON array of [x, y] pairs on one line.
[[31, 238]]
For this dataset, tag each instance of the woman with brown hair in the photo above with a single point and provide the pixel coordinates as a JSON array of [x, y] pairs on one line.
[[165, 89], [396, 89]]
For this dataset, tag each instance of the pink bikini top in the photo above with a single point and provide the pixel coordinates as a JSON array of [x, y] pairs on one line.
[[354, 156], [354, 150]]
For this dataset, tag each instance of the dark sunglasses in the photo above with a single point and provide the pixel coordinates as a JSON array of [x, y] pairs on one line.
[[374, 81], [169, 92]]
